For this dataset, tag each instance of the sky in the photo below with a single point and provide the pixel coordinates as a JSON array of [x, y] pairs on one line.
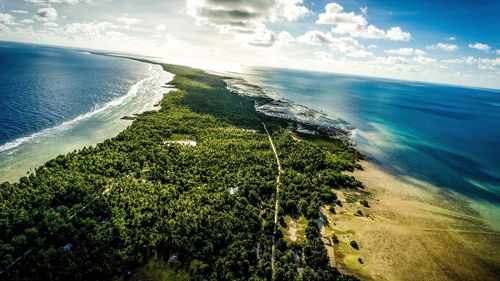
[[452, 42]]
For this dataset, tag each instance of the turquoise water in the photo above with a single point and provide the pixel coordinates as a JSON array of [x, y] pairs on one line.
[[55, 100], [444, 135]]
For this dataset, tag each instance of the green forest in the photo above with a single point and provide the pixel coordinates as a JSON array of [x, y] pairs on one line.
[[202, 212]]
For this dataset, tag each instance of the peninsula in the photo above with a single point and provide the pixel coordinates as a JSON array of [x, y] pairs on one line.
[[145, 205]]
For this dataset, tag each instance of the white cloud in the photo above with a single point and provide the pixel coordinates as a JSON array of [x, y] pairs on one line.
[[453, 61], [401, 51], [284, 38], [50, 24], [127, 20], [19, 11], [424, 60], [7, 19], [481, 63], [322, 55], [161, 27], [393, 60], [497, 52], [357, 25], [396, 34], [86, 29], [315, 37], [35, 1], [46, 14], [444, 47], [247, 16], [419, 52], [451, 38], [480, 47], [292, 9], [334, 14], [71, 2], [265, 38], [26, 21], [364, 10], [347, 45]]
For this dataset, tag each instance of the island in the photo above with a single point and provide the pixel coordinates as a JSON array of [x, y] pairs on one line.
[[204, 188]]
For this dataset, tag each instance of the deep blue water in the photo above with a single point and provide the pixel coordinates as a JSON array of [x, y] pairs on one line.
[[41, 87], [56, 100], [444, 135]]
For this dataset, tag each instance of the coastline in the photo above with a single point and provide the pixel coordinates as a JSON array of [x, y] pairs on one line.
[[104, 122], [409, 227]]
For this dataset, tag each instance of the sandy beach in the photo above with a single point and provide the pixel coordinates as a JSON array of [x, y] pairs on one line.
[[409, 232]]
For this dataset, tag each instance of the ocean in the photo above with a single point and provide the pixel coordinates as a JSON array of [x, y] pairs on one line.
[[446, 136], [55, 100]]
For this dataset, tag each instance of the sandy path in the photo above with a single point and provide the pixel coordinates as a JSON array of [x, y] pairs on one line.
[[411, 233], [276, 202]]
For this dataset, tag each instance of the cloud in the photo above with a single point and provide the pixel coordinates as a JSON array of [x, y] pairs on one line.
[[292, 10], [35, 1], [396, 34], [480, 47], [405, 52], [244, 16], [315, 37], [404, 63], [27, 21], [357, 25], [347, 45], [481, 63], [451, 38], [71, 2], [86, 29], [444, 47], [497, 52], [19, 11], [265, 38], [50, 24], [46, 14], [419, 52], [322, 55], [393, 60], [334, 14], [401, 51], [284, 38], [246, 19], [161, 27], [424, 60], [127, 20], [7, 19]]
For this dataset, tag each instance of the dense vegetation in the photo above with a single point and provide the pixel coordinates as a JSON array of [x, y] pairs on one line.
[[102, 212]]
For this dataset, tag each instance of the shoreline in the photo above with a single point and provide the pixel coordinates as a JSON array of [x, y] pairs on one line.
[[87, 129], [408, 227]]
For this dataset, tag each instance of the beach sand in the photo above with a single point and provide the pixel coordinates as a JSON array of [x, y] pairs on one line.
[[409, 232]]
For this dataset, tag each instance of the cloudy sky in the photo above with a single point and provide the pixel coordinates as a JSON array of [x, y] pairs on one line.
[[454, 42]]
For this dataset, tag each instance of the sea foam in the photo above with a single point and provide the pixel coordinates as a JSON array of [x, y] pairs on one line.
[[10, 147]]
